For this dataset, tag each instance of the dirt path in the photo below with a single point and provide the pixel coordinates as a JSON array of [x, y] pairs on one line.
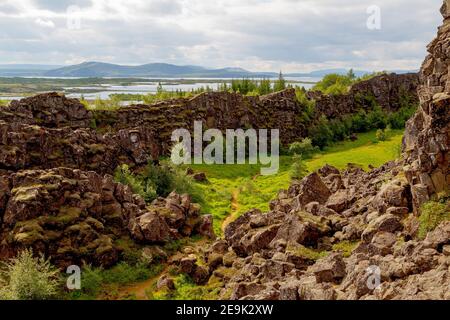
[[138, 290], [234, 209]]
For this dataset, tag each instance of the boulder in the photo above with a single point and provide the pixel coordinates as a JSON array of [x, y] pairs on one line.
[[165, 282], [310, 189], [329, 269], [151, 228]]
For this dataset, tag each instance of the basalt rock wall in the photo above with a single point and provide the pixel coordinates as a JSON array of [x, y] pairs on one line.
[[427, 137]]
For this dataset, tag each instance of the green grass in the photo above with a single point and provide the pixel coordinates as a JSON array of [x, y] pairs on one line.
[[364, 152], [96, 282], [255, 191], [186, 289], [432, 214]]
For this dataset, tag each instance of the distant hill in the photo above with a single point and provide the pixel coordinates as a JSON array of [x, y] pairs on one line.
[[358, 73], [151, 70], [99, 69], [25, 70]]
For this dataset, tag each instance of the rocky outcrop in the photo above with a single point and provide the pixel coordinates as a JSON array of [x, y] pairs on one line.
[[26, 146], [76, 217], [427, 136], [47, 110], [297, 252], [389, 91]]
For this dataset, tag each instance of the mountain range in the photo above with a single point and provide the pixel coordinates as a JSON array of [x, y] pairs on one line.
[[151, 70]]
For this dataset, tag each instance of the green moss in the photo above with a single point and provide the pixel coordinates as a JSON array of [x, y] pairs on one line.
[[103, 244], [27, 193], [432, 214], [346, 247], [130, 251], [28, 232], [66, 215], [186, 289], [307, 253], [96, 148], [57, 154]]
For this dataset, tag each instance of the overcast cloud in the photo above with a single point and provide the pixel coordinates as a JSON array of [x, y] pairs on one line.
[[258, 35]]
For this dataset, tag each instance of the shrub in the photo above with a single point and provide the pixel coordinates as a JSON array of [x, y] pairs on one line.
[[29, 278], [265, 87], [304, 147], [432, 214], [280, 84], [359, 122], [381, 135], [397, 120], [299, 169], [334, 84], [158, 181], [243, 86], [376, 119], [91, 282], [321, 133]]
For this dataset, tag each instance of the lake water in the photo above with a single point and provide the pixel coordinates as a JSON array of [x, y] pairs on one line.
[[104, 91]]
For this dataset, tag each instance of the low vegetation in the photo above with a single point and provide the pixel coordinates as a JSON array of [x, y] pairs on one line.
[[326, 132], [433, 213], [29, 278], [237, 189], [335, 84], [158, 181], [96, 282], [186, 289]]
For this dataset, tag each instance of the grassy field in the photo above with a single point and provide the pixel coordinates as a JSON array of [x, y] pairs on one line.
[[234, 189]]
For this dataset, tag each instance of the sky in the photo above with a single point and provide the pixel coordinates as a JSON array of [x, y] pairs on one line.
[[258, 35]]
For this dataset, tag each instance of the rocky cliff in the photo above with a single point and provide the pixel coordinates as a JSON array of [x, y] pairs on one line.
[[389, 91], [427, 136]]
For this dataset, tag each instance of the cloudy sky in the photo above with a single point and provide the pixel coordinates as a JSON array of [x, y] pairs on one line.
[[258, 35]]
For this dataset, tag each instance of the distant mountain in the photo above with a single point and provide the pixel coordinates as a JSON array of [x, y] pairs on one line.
[[100, 69], [152, 70], [358, 73], [24, 70]]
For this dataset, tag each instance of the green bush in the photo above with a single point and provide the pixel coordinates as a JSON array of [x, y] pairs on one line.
[[280, 84], [397, 120], [321, 133], [158, 181], [432, 214], [28, 278], [124, 176], [299, 169], [334, 84], [376, 119], [304, 147], [381, 135]]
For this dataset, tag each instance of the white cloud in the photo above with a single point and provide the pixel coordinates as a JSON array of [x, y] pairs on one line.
[[293, 35]]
